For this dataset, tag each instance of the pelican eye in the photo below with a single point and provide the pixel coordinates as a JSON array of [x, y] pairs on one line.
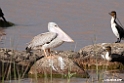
[[55, 25]]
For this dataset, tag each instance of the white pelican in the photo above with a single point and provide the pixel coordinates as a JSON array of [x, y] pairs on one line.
[[45, 41]]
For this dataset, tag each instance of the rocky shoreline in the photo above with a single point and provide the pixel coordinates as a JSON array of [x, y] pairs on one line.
[[16, 64]]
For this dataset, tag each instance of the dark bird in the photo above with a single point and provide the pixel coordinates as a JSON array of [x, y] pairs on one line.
[[46, 41], [107, 55], [2, 15], [116, 28]]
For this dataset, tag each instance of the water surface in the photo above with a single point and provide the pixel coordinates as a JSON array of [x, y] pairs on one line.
[[83, 20], [105, 77], [86, 21]]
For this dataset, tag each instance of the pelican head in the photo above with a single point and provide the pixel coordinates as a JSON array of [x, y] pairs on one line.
[[53, 27]]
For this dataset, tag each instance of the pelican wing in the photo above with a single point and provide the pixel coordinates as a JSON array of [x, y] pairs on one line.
[[63, 35], [42, 39]]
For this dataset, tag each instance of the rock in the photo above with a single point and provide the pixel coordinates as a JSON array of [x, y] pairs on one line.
[[6, 24], [15, 64], [91, 56], [59, 65]]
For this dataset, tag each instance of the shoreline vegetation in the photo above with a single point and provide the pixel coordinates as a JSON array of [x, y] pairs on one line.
[[18, 64]]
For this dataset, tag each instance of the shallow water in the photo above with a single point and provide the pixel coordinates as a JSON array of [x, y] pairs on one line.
[[105, 78], [83, 20], [86, 21]]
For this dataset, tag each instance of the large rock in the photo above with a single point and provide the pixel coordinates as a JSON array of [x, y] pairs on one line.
[[91, 56], [59, 65], [15, 64], [6, 24]]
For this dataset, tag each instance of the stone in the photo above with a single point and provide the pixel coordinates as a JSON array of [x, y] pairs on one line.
[[59, 65], [91, 56], [15, 64]]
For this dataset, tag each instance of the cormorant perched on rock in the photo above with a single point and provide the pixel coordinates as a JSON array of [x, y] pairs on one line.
[[107, 55], [2, 15], [116, 28]]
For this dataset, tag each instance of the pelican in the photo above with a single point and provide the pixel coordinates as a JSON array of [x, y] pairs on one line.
[[52, 39]]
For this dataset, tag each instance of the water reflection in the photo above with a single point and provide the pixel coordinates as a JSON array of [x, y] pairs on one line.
[[105, 77], [82, 20]]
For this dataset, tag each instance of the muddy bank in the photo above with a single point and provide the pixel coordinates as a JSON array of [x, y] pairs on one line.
[[63, 63]]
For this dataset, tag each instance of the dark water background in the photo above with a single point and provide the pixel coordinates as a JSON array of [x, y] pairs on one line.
[[83, 20]]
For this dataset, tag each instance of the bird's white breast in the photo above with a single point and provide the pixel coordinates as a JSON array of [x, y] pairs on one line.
[[106, 56], [114, 29]]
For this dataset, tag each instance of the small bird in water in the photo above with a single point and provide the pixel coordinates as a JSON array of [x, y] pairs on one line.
[[107, 55], [116, 28], [52, 39]]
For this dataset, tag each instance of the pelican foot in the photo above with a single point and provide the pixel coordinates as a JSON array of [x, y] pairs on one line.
[[50, 57]]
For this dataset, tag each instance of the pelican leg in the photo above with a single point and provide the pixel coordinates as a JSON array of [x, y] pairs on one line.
[[49, 52], [51, 56], [45, 53]]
